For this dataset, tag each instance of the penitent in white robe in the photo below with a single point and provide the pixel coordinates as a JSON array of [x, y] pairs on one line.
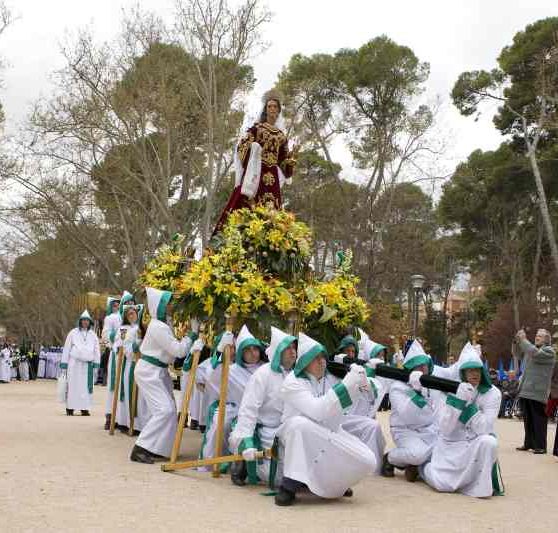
[[259, 415], [465, 454], [6, 365], [317, 450], [80, 355], [159, 349], [131, 347], [111, 326]]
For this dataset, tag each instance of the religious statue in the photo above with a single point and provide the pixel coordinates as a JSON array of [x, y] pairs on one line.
[[263, 162]]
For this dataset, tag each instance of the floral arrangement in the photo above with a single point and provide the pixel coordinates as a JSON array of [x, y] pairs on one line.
[[259, 267]]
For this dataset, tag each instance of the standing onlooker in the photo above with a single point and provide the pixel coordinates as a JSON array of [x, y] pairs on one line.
[[534, 388]]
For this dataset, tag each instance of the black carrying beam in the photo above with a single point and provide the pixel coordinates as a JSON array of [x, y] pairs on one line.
[[398, 374]]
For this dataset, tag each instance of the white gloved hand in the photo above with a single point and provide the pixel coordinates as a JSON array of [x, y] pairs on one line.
[[414, 380], [194, 325], [355, 378], [197, 346], [249, 454], [227, 339], [373, 363], [339, 358], [466, 392]]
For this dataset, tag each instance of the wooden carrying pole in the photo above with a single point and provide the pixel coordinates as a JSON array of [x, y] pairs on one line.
[[169, 467], [116, 392], [134, 399], [184, 408], [223, 389]]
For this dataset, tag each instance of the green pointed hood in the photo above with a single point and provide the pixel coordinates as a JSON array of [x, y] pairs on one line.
[[110, 301], [124, 299], [348, 340]]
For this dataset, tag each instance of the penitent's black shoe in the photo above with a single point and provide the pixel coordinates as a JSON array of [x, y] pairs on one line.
[[522, 449], [69, 412], [238, 473], [539, 451], [140, 455], [348, 493], [107, 422], [194, 424], [284, 497], [387, 468], [411, 473], [85, 412]]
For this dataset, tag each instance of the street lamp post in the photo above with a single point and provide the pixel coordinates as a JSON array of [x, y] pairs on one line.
[[417, 283]]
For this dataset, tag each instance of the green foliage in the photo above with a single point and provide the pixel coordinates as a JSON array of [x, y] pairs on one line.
[[520, 78], [434, 333]]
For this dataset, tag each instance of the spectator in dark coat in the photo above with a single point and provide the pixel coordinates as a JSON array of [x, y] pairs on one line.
[[534, 388]]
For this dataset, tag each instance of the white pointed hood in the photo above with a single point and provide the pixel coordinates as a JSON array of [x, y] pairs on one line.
[[157, 302], [470, 358], [279, 341], [416, 356], [367, 348], [85, 316], [308, 350]]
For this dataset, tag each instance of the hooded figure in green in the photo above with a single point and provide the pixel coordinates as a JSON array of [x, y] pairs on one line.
[[81, 355], [158, 349], [412, 418], [259, 416], [464, 458], [249, 356], [319, 453], [111, 325]]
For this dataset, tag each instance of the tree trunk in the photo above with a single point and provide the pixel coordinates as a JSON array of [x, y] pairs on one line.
[[543, 206]]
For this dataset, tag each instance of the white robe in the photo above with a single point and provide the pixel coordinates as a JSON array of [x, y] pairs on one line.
[[465, 454], [157, 435], [359, 419], [24, 369], [123, 408], [111, 325], [260, 411], [413, 428], [81, 352], [41, 369], [199, 404], [51, 371], [238, 378], [6, 365], [317, 450]]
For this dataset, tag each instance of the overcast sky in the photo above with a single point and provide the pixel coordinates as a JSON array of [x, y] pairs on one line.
[[452, 36]]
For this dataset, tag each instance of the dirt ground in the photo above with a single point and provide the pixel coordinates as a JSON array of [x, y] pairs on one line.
[[67, 474]]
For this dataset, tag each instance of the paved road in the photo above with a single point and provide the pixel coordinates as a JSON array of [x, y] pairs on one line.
[[66, 474]]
